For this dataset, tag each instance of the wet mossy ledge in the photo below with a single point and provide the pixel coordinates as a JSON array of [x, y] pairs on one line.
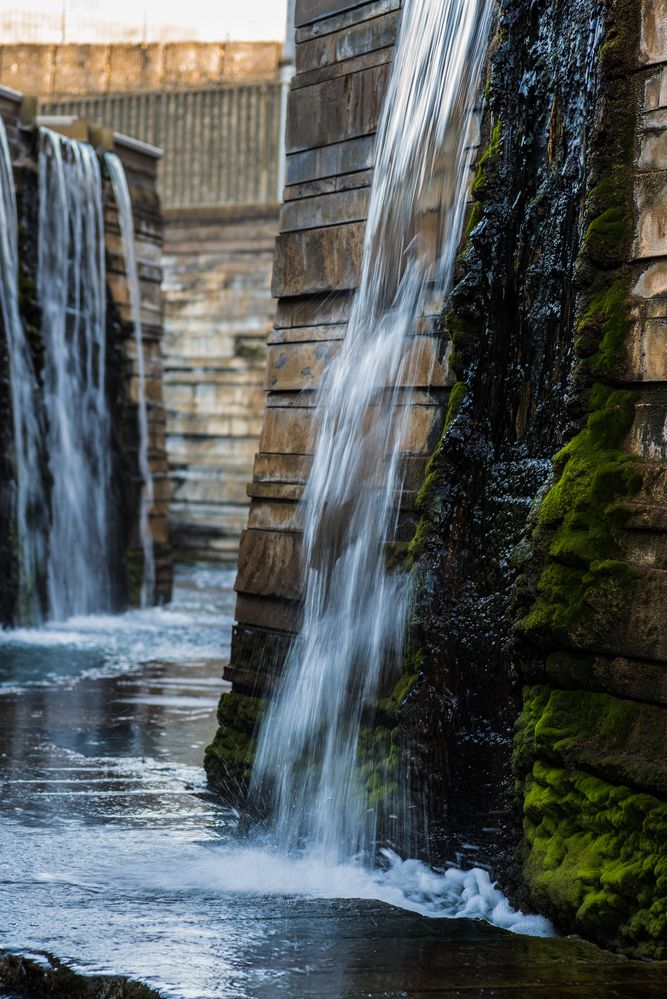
[[49, 978], [228, 760]]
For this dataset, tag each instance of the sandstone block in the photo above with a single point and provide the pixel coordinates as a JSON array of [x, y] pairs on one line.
[[269, 564], [653, 44]]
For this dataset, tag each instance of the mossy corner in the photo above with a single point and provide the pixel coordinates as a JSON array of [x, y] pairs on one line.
[[595, 847], [228, 760]]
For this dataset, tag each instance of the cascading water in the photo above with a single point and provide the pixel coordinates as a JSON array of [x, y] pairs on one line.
[[354, 611], [31, 506], [126, 225], [71, 285]]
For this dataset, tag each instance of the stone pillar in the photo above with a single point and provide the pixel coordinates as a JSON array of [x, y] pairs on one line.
[[140, 161]]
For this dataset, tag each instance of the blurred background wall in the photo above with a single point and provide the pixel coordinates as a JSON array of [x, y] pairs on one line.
[[215, 108]]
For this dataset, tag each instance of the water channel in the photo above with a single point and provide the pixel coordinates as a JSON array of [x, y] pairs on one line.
[[115, 858]]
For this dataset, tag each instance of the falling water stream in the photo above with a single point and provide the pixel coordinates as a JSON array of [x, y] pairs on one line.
[[354, 610], [31, 505], [71, 285], [126, 225]]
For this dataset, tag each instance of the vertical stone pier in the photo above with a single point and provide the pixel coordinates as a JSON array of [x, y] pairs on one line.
[[10, 112], [140, 161]]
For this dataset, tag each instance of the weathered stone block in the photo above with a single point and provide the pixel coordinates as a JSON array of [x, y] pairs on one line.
[[651, 199], [269, 564], [318, 260], [348, 106], [347, 43], [647, 346], [655, 91], [653, 44], [325, 210], [334, 160]]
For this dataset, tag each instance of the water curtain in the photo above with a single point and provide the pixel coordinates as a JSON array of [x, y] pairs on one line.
[[31, 505], [126, 225], [71, 285], [352, 636]]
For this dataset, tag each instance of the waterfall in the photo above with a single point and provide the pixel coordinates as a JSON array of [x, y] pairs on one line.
[[31, 507], [71, 285], [126, 225], [354, 611]]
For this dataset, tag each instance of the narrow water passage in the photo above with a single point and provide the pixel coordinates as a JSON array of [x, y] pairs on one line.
[[115, 858]]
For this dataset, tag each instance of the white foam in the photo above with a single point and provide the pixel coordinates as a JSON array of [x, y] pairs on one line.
[[406, 884]]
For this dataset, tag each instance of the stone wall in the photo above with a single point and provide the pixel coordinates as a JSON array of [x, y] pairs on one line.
[[592, 735], [218, 311], [54, 71]]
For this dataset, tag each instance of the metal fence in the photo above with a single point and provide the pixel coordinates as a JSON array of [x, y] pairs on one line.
[[221, 145]]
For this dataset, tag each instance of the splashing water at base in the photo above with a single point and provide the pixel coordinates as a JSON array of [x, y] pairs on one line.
[[351, 640], [126, 225], [405, 884]]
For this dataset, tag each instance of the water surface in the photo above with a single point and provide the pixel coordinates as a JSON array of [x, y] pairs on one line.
[[115, 858]]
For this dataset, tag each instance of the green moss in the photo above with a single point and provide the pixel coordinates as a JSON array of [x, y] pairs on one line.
[[378, 770], [604, 326], [486, 160], [456, 398], [378, 760], [596, 845], [228, 760], [596, 859], [390, 706], [608, 235], [619, 739], [473, 218], [581, 516]]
